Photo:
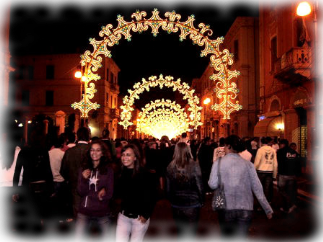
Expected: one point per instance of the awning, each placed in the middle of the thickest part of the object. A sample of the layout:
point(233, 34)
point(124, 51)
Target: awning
point(268, 127)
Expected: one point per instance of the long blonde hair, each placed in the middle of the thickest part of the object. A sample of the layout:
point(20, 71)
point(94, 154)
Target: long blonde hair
point(182, 155)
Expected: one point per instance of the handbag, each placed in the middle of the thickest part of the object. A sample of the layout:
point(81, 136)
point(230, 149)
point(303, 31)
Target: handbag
point(218, 201)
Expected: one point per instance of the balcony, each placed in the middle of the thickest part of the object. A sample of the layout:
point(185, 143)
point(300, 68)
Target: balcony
point(294, 67)
point(114, 113)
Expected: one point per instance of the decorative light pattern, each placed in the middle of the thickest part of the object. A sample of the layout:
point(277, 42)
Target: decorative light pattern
point(219, 60)
point(85, 105)
point(162, 117)
point(168, 82)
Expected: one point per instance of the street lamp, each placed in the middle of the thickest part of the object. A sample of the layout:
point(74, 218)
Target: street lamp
point(304, 9)
point(205, 102)
point(79, 75)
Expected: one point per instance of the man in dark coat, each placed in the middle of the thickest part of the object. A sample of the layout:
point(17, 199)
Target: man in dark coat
point(71, 164)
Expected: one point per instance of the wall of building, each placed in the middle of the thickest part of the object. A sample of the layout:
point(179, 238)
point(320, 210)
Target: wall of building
point(5, 56)
point(287, 77)
point(31, 76)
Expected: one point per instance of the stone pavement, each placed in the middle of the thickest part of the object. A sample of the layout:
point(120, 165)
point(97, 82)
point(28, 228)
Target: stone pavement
point(302, 224)
point(309, 187)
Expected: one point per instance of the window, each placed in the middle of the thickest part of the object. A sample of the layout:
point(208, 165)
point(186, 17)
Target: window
point(107, 100)
point(50, 72)
point(49, 98)
point(30, 72)
point(273, 52)
point(25, 97)
point(236, 50)
point(111, 77)
point(107, 75)
point(20, 72)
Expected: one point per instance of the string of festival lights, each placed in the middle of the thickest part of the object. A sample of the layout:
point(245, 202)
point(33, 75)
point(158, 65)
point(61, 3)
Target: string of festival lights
point(226, 89)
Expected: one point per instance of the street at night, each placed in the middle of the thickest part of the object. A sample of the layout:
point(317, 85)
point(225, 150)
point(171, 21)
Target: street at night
point(124, 118)
point(305, 224)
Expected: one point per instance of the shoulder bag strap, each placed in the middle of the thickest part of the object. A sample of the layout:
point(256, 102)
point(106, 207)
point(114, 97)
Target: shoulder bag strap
point(219, 174)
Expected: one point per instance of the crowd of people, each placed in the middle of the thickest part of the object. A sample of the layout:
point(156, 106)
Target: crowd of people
point(93, 182)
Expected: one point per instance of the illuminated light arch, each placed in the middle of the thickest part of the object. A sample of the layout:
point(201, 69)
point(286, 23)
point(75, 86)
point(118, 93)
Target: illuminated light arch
point(140, 87)
point(163, 122)
point(226, 90)
point(162, 117)
point(153, 105)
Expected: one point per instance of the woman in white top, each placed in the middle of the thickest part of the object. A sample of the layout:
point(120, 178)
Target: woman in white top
point(8, 158)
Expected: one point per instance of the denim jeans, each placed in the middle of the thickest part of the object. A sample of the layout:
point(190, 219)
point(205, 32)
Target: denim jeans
point(130, 229)
point(84, 223)
point(266, 180)
point(186, 219)
point(235, 222)
point(288, 189)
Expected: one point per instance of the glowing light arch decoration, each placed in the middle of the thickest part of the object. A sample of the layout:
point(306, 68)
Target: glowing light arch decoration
point(139, 88)
point(226, 90)
point(163, 122)
point(162, 117)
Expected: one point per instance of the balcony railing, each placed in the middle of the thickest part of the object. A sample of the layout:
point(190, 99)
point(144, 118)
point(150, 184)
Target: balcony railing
point(114, 113)
point(294, 65)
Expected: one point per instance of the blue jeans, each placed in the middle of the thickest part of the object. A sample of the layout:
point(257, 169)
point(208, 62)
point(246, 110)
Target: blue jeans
point(186, 219)
point(235, 222)
point(288, 189)
point(84, 223)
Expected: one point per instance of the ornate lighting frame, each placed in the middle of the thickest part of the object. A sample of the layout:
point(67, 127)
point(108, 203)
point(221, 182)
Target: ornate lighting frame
point(226, 90)
point(168, 82)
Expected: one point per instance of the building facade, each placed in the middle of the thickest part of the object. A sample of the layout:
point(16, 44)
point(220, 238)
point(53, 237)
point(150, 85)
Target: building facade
point(241, 40)
point(287, 79)
point(46, 85)
point(5, 56)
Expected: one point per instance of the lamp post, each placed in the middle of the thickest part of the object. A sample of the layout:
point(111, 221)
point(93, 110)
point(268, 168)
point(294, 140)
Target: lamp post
point(205, 102)
point(79, 75)
point(304, 9)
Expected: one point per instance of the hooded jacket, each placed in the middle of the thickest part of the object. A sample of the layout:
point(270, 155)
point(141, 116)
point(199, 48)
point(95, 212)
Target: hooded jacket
point(89, 189)
point(266, 160)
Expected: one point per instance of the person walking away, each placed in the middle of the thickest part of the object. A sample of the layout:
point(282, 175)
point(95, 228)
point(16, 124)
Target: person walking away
point(289, 167)
point(56, 155)
point(266, 166)
point(71, 163)
point(240, 182)
point(205, 157)
point(184, 189)
point(37, 179)
point(135, 190)
point(95, 186)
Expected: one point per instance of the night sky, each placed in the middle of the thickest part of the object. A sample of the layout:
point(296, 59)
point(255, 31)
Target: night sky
point(45, 29)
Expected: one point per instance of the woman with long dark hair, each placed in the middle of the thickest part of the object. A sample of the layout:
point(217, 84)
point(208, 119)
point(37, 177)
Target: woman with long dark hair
point(95, 186)
point(240, 181)
point(137, 193)
point(184, 187)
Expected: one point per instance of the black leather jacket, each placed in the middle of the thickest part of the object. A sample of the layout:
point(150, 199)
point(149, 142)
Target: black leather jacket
point(184, 187)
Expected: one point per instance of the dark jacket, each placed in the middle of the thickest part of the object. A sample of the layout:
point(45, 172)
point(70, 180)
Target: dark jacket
point(89, 189)
point(137, 192)
point(36, 165)
point(184, 188)
point(72, 162)
point(289, 162)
